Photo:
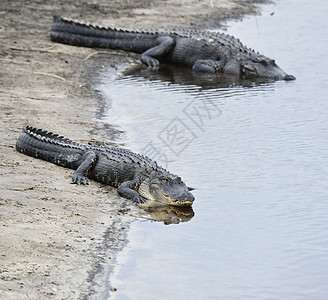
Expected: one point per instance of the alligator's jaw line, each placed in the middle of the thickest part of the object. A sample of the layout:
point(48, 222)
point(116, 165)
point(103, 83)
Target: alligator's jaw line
point(178, 202)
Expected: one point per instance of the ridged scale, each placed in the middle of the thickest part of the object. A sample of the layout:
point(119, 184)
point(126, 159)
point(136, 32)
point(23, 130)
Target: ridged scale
point(114, 154)
point(209, 37)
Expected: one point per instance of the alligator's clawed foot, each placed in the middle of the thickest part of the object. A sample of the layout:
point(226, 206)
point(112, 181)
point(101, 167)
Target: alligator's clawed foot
point(207, 66)
point(80, 179)
point(138, 199)
point(150, 61)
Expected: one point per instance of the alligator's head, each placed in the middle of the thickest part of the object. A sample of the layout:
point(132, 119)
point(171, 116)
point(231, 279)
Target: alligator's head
point(261, 67)
point(168, 189)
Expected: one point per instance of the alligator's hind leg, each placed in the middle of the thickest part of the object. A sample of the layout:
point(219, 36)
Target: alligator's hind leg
point(88, 160)
point(164, 45)
point(125, 190)
point(208, 66)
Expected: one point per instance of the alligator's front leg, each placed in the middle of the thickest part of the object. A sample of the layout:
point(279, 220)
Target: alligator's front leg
point(88, 160)
point(164, 45)
point(125, 190)
point(208, 66)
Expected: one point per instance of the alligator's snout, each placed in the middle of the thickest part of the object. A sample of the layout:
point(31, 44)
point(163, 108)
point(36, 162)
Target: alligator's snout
point(187, 198)
point(289, 77)
point(183, 200)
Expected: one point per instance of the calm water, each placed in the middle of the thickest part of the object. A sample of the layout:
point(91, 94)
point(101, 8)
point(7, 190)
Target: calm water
point(257, 156)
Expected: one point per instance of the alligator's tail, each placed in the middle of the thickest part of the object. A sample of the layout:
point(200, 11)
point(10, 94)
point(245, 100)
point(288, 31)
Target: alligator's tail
point(68, 31)
point(51, 147)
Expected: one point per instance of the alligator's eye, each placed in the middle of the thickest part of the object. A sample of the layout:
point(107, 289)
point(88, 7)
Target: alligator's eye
point(165, 180)
point(264, 62)
point(248, 70)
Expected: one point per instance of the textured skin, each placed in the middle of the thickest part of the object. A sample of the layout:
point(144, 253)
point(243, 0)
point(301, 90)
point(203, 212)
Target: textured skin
point(129, 172)
point(204, 51)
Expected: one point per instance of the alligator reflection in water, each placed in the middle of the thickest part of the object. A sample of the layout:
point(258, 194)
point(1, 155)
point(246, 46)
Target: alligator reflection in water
point(167, 214)
point(184, 76)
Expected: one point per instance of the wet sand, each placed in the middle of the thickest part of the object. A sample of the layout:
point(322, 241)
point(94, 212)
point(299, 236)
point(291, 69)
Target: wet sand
point(58, 240)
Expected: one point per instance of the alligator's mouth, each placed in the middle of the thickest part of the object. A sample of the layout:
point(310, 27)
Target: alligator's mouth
point(182, 203)
point(177, 202)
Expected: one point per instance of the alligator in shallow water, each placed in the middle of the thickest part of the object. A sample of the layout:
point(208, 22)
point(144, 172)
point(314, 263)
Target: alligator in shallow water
point(135, 176)
point(204, 51)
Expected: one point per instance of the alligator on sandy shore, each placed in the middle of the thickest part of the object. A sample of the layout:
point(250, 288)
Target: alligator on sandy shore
point(135, 176)
point(204, 51)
